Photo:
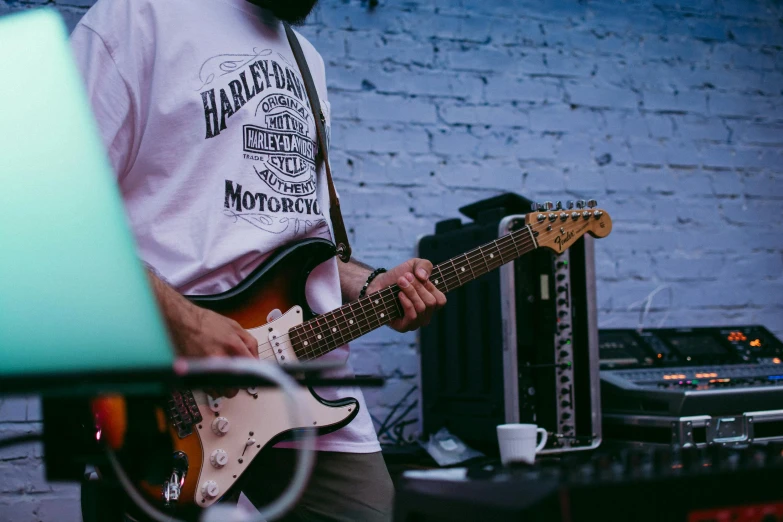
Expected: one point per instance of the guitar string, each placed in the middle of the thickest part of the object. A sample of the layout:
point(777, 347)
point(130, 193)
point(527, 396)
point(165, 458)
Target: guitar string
point(503, 246)
point(330, 344)
point(374, 321)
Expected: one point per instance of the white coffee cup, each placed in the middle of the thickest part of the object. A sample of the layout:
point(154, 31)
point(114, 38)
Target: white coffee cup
point(518, 442)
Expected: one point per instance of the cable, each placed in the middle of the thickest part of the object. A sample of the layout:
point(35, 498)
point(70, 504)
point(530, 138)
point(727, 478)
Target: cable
point(21, 439)
point(305, 455)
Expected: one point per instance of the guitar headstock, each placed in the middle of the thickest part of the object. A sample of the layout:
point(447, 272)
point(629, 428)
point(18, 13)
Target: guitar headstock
point(557, 228)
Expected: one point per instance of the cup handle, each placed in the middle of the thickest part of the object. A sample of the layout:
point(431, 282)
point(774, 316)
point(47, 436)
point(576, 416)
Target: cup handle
point(541, 444)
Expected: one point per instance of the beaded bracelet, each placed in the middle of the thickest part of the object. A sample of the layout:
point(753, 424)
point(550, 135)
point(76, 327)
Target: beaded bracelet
point(373, 275)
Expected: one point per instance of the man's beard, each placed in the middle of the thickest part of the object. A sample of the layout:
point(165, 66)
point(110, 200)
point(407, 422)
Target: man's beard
point(292, 11)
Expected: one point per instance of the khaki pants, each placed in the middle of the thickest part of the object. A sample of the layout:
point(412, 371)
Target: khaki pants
point(345, 487)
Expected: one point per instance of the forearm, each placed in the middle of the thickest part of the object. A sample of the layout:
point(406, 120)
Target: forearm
point(353, 275)
point(178, 312)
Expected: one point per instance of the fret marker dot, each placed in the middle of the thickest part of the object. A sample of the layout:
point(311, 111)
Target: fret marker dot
point(376, 301)
point(334, 329)
point(350, 321)
point(306, 343)
point(491, 256)
point(463, 268)
point(381, 314)
point(436, 281)
point(319, 336)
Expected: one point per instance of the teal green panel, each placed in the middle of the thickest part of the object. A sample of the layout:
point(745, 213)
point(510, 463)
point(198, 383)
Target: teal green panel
point(73, 293)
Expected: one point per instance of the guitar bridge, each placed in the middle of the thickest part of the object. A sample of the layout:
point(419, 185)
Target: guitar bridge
point(183, 412)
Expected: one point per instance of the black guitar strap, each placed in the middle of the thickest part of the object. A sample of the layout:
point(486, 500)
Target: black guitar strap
point(340, 236)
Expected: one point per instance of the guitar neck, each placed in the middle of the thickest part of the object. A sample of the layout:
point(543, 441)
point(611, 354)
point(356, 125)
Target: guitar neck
point(331, 330)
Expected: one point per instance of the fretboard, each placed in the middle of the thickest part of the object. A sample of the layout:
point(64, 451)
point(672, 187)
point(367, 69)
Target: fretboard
point(333, 329)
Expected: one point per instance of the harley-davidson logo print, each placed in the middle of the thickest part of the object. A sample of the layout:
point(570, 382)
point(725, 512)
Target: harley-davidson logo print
point(277, 139)
point(283, 146)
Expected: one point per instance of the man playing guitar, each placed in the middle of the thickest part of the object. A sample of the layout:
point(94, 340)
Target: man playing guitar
point(203, 112)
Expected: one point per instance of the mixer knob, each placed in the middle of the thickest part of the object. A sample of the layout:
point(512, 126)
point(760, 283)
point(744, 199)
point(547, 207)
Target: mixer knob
point(219, 458)
point(210, 489)
point(563, 353)
point(220, 426)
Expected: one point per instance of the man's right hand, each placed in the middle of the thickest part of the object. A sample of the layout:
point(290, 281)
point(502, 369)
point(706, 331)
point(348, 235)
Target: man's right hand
point(198, 332)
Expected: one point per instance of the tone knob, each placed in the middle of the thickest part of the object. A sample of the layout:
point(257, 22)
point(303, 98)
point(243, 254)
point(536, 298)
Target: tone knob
point(220, 426)
point(210, 489)
point(219, 458)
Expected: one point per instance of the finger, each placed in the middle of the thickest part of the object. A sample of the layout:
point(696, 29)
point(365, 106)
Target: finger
point(408, 285)
point(250, 341)
point(440, 297)
point(237, 347)
point(410, 312)
point(424, 294)
point(422, 268)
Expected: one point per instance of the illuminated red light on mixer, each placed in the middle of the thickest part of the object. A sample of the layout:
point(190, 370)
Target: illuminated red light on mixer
point(737, 336)
point(756, 343)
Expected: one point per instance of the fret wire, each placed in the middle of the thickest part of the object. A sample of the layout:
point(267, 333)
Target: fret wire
point(514, 241)
point(454, 268)
point(396, 301)
point(307, 338)
point(484, 258)
point(502, 250)
point(334, 330)
point(501, 245)
point(470, 265)
point(440, 277)
point(350, 322)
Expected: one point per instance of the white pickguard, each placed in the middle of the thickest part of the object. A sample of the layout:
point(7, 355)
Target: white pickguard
point(259, 414)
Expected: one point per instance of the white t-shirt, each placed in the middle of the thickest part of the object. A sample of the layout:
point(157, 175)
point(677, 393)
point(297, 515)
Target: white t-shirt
point(208, 126)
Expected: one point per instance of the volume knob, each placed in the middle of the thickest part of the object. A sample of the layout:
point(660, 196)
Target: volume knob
point(210, 489)
point(220, 426)
point(219, 458)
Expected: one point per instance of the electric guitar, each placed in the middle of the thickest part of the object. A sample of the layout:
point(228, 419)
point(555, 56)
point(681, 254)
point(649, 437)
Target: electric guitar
point(215, 440)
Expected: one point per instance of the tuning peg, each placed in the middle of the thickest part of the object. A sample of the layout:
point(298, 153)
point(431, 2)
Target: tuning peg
point(592, 203)
point(534, 206)
point(541, 207)
point(580, 203)
point(570, 204)
point(558, 206)
point(549, 205)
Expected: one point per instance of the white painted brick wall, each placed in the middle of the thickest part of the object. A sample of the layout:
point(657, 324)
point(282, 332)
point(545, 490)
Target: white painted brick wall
point(668, 112)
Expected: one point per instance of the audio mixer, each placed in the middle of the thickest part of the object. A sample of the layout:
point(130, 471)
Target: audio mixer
point(692, 385)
